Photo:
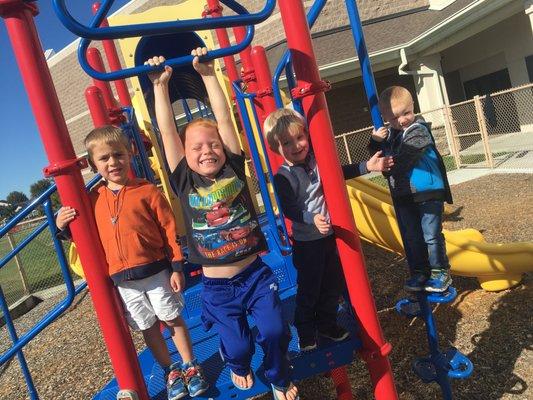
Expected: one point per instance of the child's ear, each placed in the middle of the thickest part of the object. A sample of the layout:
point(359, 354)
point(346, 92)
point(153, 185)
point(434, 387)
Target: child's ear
point(91, 165)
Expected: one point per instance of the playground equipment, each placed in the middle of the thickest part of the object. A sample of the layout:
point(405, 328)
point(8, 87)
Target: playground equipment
point(145, 380)
point(497, 266)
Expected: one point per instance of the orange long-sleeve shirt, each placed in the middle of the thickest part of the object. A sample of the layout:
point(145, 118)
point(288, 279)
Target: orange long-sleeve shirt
point(137, 230)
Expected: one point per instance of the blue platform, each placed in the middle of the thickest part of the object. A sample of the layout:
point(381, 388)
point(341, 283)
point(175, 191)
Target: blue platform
point(329, 354)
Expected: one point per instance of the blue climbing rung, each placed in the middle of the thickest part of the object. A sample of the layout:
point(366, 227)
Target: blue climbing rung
point(408, 308)
point(443, 298)
point(461, 366)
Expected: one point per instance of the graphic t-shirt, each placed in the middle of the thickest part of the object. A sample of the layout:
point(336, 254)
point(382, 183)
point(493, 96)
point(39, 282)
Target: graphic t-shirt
point(221, 222)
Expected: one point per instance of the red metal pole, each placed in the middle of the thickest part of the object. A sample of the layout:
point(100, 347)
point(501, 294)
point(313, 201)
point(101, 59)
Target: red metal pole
point(95, 101)
point(375, 349)
point(248, 72)
point(18, 16)
point(340, 379)
point(266, 96)
point(115, 112)
point(114, 64)
point(95, 60)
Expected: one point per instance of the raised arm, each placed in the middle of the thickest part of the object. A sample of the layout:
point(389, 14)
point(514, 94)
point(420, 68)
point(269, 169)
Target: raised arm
point(172, 144)
point(218, 101)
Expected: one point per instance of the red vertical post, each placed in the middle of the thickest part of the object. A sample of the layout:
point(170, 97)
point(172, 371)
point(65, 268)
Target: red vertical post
point(64, 166)
point(310, 88)
point(95, 61)
point(266, 96)
point(248, 72)
point(97, 109)
point(114, 64)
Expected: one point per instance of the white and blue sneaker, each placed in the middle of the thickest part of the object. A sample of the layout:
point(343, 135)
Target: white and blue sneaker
point(194, 378)
point(176, 388)
point(439, 281)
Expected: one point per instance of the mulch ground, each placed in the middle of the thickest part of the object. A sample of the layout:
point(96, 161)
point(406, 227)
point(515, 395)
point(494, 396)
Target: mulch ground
point(495, 330)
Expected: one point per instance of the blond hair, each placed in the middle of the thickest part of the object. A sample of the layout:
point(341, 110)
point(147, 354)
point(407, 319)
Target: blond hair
point(204, 122)
point(279, 123)
point(107, 134)
point(394, 95)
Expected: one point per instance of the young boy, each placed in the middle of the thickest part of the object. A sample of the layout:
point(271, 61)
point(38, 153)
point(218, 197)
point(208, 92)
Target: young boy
point(138, 233)
point(315, 256)
point(223, 234)
point(419, 187)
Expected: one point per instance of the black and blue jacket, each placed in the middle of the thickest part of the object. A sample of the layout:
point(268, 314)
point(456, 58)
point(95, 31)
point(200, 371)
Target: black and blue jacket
point(418, 173)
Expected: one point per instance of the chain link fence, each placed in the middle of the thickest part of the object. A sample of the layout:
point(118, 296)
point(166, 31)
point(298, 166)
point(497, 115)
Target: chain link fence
point(35, 269)
point(491, 131)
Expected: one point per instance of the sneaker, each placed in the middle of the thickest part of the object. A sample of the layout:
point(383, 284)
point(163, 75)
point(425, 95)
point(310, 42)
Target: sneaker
point(194, 378)
point(176, 388)
point(336, 333)
point(439, 281)
point(416, 282)
point(307, 343)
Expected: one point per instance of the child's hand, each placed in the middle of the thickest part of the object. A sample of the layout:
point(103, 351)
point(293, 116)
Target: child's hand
point(159, 77)
point(380, 135)
point(203, 68)
point(65, 215)
point(177, 281)
point(321, 224)
point(379, 163)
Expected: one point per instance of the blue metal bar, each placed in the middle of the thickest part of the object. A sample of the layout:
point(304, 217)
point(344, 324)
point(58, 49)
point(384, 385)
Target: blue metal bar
point(95, 32)
point(204, 112)
point(20, 355)
point(254, 151)
point(173, 62)
point(187, 110)
point(61, 307)
point(133, 128)
point(285, 62)
point(437, 358)
point(364, 62)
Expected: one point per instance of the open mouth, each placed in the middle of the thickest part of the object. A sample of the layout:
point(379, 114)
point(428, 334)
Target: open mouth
point(209, 161)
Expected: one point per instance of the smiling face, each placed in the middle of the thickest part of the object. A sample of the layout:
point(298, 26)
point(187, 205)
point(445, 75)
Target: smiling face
point(112, 161)
point(399, 114)
point(293, 145)
point(204, 150)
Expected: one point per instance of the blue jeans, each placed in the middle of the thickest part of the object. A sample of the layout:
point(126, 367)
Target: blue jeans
point(421, 229)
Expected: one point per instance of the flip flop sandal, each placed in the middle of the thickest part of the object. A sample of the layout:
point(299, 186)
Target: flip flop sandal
point(232, 376)
point(275, 390)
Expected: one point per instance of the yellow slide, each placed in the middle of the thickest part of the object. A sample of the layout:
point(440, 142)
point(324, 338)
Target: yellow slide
point(497, 266)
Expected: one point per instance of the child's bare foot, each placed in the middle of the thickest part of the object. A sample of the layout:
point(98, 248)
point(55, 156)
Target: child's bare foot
point(290, 394)
point(242, 382)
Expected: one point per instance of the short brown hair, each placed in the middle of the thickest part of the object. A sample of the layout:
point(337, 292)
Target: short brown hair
point(205, 122)
point(394, 95)
point(278, 123)
point(107, 134)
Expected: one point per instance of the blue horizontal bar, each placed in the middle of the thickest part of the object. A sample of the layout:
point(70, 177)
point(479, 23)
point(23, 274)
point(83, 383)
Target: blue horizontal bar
point(95, 32)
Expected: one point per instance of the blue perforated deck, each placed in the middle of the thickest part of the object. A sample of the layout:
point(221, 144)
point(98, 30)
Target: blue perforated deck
point(329, 355)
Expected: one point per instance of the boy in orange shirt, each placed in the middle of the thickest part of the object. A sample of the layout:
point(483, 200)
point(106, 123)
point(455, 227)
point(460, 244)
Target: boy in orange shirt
point(138, 233)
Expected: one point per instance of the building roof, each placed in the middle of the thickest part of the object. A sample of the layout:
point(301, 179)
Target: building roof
point(379, 34)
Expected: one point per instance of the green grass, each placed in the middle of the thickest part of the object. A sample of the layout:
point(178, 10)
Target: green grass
point(39, 261)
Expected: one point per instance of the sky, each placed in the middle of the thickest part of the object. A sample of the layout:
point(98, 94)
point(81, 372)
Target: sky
point(22, 155)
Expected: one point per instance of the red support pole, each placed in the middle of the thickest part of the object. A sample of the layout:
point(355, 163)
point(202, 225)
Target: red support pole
point(340, 379)
point(95, 101)
point(248, 72)
point(95, 60)
point(18, 16)
point(115, 112)
point(310, 88)
point(114, 64)
point(266, 96)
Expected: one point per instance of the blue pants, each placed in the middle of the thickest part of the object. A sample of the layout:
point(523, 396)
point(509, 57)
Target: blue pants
point(421, 229)
point(226, 304)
